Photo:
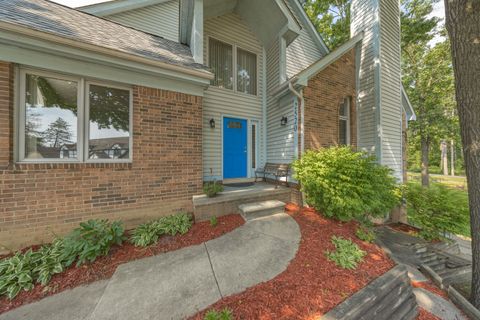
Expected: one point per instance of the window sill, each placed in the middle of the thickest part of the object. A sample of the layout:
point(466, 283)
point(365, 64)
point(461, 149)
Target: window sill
point(69, 165)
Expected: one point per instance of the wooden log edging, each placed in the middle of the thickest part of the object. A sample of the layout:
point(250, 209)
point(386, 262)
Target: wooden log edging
point(463, 303)
point(389, 297)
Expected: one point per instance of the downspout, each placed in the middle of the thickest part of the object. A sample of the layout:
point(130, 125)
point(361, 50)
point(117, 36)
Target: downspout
point(299, 95)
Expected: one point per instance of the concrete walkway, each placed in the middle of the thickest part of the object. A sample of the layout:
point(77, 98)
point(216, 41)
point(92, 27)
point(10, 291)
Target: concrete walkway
point(177, 284)
point(400, 248)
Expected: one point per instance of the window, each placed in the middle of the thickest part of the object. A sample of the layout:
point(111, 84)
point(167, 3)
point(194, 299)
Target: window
point(240, 76)
point(53, 120)
point(221, 61)
point(344, 123)
point(246, 72)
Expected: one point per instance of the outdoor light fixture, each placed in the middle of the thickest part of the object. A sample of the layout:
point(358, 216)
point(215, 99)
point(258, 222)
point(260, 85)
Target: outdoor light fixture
point(284, 121)
point(212, 123)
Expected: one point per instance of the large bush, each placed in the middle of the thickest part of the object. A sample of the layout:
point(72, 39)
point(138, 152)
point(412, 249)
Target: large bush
point(437, 210)
point(346, 185)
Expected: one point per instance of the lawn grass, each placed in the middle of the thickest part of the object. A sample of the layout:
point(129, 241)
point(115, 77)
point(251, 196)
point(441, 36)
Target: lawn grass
point(458, 183)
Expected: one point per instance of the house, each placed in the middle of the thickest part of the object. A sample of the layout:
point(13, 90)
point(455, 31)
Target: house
point(145, 100)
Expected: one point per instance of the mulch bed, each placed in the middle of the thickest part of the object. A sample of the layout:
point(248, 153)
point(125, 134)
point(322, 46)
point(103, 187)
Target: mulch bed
point(104, 267)
point(425, 315)
point(404, 228)
point(311, 285)
point(429, 286)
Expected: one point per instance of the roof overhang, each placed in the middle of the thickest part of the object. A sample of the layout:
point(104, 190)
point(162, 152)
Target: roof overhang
point(407, 106)
point(117, 6)
point(305, 75)
point(39, 49)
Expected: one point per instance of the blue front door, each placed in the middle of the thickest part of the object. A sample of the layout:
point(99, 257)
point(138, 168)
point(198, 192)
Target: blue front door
point(234, 148)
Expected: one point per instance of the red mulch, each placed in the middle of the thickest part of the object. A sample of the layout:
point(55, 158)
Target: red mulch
point(104, 267)
point(427, 285)
point(425, 315)
point(311, 285)
point(404, 228)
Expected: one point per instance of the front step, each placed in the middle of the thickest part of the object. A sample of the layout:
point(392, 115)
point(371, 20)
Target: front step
point(254, 210)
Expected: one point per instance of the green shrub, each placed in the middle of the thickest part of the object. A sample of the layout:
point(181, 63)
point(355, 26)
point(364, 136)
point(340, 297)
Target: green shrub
point(92, 239)
point(437, 210)
point(347, 254)
point(212, 188)
point(346, 185)
point(149, 233)
point(213, 221)
point(365, 234)
point(225, 314)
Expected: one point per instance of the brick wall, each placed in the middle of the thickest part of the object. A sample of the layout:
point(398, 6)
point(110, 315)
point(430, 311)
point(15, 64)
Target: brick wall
point(38, 199)
point(323, 96)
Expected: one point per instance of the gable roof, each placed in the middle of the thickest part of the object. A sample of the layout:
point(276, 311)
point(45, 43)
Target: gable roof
point(102, 9)
point(407, 106)
point(61, 21)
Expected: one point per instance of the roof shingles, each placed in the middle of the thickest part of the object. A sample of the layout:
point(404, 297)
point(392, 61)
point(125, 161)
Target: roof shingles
point(52, 18)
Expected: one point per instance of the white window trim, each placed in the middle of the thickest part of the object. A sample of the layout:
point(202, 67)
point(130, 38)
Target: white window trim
point(235, 46)
point(82, 117)
point(347, 119)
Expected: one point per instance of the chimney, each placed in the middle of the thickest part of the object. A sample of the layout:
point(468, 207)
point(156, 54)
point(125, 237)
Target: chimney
point(379, 104)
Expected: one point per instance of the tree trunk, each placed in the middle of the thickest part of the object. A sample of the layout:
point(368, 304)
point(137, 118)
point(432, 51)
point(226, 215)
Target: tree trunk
point(444, 158)
point(452, 157)
point(425, 145)
point(464, 31)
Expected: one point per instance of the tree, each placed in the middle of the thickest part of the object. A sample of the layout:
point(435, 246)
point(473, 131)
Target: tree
point(332, 20)
point(464, 30)
point(58, 133)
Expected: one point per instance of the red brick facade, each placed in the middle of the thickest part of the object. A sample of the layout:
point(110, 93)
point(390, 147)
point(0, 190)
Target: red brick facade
point(323, 96)
point(38, 199)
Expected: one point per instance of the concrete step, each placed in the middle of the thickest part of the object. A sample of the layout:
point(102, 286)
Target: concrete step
point(260, 209)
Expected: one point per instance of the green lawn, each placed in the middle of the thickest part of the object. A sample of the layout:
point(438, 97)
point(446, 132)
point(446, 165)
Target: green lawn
point(457, 183)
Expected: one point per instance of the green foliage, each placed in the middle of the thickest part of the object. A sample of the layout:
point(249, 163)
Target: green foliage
point(16, 273)
point(225, 314)
point(212, 188)
point(213, 221)
point(332, 20)
point(365, 234)
point(92, 239)
point(50, 261)
point(347, 254)
point(346, 185)
point(149, 233)
point(437, 210)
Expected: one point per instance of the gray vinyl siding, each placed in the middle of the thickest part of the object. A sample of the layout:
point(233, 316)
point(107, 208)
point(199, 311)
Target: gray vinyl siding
point(160, 19)
point(304, 50)
point(364, 14)
point(390, 82)
point(219, 102)
point(280, 139)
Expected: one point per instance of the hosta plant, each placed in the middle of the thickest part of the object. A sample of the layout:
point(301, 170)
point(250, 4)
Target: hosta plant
point(347, 254)
point(16, 273)
point(149, 233)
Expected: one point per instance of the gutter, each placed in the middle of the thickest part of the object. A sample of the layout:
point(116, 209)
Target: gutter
point(299, 95)
point(203, 74)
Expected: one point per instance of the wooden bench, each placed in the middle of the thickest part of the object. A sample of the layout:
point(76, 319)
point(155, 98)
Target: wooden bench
point(278, 170)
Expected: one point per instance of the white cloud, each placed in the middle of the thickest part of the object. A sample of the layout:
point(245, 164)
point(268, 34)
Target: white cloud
point(78, 3)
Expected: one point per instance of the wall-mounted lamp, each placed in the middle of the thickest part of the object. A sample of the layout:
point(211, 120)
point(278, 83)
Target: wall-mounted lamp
point(212, 123)
point(284, 121)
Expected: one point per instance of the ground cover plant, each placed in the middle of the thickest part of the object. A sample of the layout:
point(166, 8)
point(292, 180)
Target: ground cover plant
point(311, 285)
point(345, 185)
point(365, 234)
point(148, 233)
point(437, 210)
point(48, 278)
point(225, 314)
point(346, 254)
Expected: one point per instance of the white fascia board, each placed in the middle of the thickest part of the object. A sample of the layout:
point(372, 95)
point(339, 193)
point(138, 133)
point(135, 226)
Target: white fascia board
point(38, 53)
point(324, 62)
point(407, 106)
point(117, 6)
point(311, 28)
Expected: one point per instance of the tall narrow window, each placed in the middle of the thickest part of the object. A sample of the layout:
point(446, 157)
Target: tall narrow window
point(246, 72)
point(344, 123)
point(51, 124)
point(220, 58)
point(254, 146)
point(109, 127)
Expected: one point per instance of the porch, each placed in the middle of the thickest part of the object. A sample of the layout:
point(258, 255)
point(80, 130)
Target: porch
point(236, 194)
